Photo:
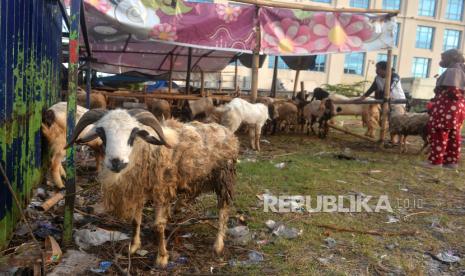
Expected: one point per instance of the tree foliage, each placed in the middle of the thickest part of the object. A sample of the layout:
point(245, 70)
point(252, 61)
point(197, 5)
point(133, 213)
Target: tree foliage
point(349, 90)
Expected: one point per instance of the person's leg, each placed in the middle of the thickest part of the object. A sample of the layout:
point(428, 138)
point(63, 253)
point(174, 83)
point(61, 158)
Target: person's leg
point(452, 153)
point(438, 139)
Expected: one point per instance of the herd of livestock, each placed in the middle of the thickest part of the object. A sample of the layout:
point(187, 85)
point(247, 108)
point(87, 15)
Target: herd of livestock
point(160, 152)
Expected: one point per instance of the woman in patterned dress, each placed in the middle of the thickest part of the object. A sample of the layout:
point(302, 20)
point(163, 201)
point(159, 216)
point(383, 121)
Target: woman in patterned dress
point(448, 111)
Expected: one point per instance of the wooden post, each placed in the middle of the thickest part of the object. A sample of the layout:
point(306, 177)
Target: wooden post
point(202, 83)
point(88, 85)
point(387, 97)
point(170, 75)
point(71, 121)
point(296, 82)
point(275, 77)
point(255, 63)
point(188, 75)
point(220, 84)
point(302, 87)
point(235, 75)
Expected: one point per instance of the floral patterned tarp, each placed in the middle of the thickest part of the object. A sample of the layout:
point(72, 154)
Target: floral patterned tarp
point(141, 34)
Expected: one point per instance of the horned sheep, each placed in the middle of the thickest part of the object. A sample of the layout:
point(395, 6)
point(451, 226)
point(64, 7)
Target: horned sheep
point(146, 160)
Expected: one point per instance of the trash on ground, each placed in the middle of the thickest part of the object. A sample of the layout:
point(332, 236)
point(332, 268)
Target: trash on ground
point(74, 262)
point(85, 238)
point(49, 203)
point(103, 267)
point(392, 219)
point(375, 171)
point(240, 234)
point(271, 224)
point(142, 252)
point(404, 189)
point(281, 165)
point(179, 261)
point(287, 232)
point(448, 257)
point(330, 242)
point(265, 141)
point(254, 257)
point(45, 229)
point(52, 250)
point(341, 181)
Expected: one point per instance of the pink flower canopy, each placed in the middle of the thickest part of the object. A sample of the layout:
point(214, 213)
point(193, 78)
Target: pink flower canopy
point(146, 35)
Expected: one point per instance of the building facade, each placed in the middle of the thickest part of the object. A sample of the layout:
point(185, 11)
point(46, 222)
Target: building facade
point(425, 29)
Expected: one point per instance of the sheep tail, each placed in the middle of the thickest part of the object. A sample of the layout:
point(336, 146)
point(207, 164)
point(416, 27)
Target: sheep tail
point(225, 178)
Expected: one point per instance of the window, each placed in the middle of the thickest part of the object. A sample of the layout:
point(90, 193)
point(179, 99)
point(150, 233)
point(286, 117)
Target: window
point(396, 35)
point(281, 63)
point(424, 37)
point(454, 10)
point(320, 63)
point(451, 39)
point(427, 8)
point(354, 63)
point(322, 1)
point(420, 68)
point(391, 4)
point(365, 4)
point(383, 57)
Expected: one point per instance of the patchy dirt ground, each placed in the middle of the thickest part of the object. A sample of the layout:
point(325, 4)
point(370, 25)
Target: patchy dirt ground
point(428, 215)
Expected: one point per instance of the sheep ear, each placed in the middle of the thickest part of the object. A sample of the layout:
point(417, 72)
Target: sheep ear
point(146, 118)
point(149, 138)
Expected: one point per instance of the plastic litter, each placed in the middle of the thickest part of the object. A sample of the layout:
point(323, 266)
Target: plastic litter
point(240, 234)
point(45, 229)
point(330, 242)
point(448, 257)
point(265, 141)
point(142, 252)
point(74, 263)
point(179, 261)
point(85, 238)
point(254, 257)
point(52, 250)
point(392, 219)
point(271, 224)
point(281, 165)
point(103, 267)
point(287, 232)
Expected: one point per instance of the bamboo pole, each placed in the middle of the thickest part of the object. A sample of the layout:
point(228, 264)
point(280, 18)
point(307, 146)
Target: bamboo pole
point(387, 97)
point(170, 75)
point(202, 83)
point(71, 121)
point(188, 75)
point(88, 85)
point(296, 82)
point(307, 7)
point(275, 77)
point(302, 87)
point(235, 75)
point(352, 133)
point(255, 63)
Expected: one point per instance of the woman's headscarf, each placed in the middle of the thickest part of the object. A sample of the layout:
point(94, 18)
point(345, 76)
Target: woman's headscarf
point(454, 75)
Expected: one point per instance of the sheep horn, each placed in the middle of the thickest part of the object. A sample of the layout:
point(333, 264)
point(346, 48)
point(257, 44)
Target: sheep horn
point(88, 118)
point(146, 118)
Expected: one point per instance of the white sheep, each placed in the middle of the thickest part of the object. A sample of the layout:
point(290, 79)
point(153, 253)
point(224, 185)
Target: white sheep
point(238, 112)
point(148, 161)
point(54, 130)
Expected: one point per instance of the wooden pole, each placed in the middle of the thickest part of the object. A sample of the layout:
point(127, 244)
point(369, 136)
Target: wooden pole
point(302, 87)
point(73, 67)
point(352, 133)
point(202, 83)
point(387, 97)
point(296, 82)
point(306, 7)
point(235, 75)
point(275, 77)
point(88, 85)
point(255, 62)
point(188, 75)
point(220, 83)
point(170, 75)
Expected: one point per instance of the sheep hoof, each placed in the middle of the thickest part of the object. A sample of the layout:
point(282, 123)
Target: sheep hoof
point(218, 247)
point(162, 261)
point(134, 247)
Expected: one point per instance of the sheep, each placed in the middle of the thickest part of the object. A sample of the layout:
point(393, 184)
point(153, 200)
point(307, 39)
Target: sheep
point(321, 112)
point(196, 109)
point(146, 160)
point(97, 99)
point(54, 130)
point(405, 124)
point(287, 113)
point(160, 108)
point(238, 112)
point(118, 101)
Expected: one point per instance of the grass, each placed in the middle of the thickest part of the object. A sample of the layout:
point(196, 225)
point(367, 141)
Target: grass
point(312, 169)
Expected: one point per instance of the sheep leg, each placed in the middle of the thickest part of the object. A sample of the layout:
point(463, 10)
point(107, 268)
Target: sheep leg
point(62, 171)
point(160, 225)
point(223, 217)
point(258, 131)
point(56, 170)
point(252, 137)
point(135, 244)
